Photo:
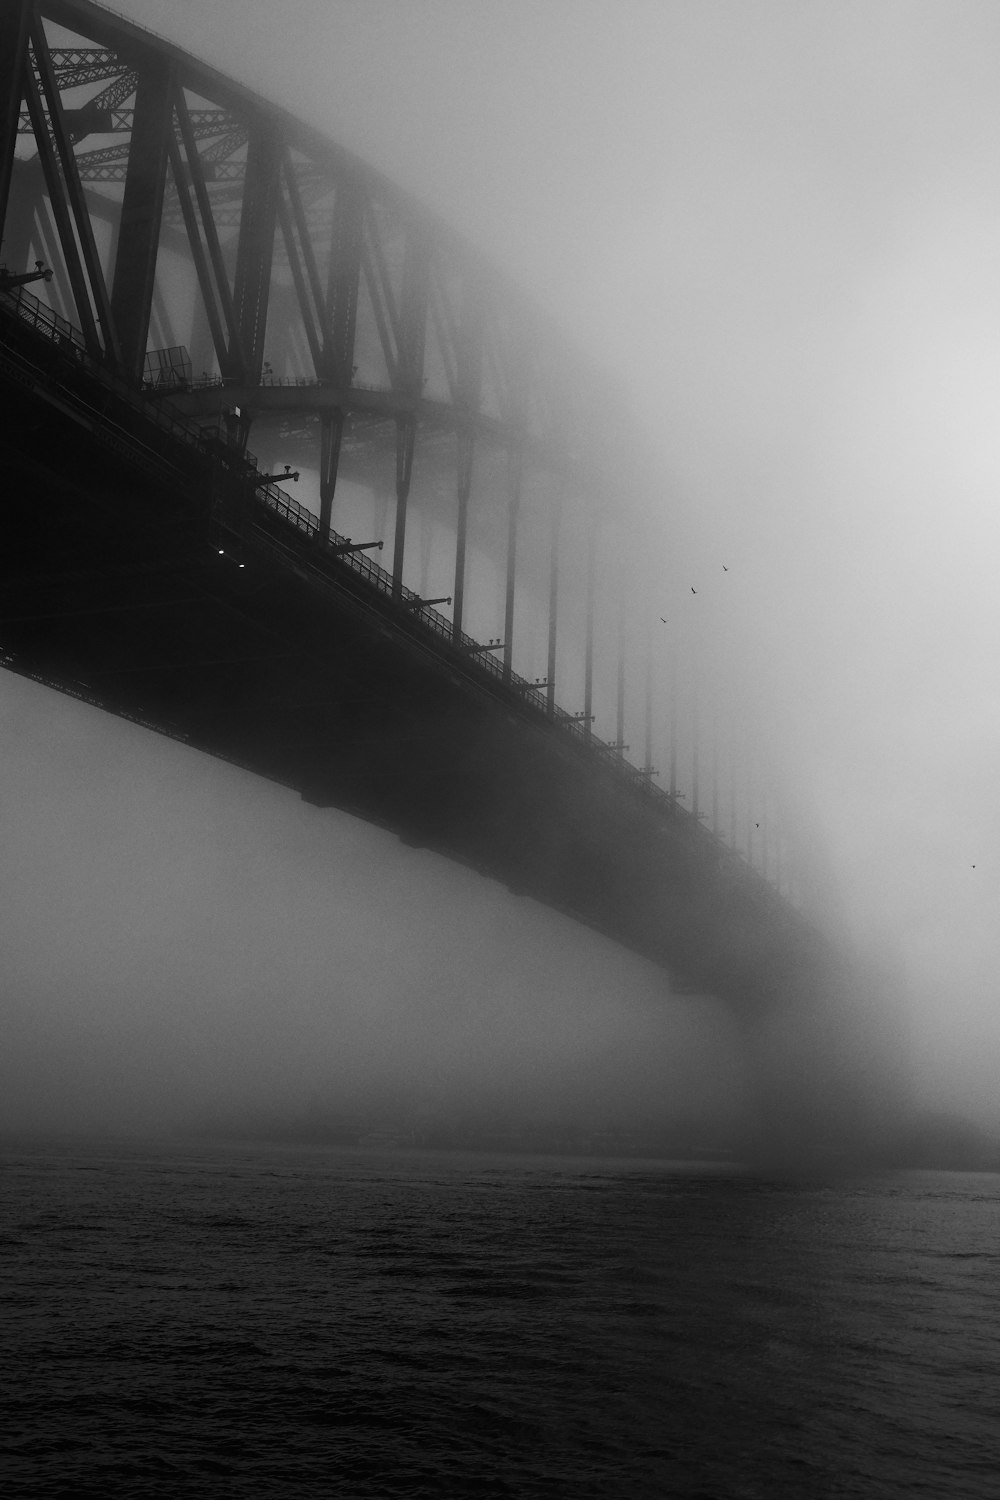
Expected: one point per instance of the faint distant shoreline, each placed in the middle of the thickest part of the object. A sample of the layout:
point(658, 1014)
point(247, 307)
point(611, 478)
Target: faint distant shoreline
point(930, 1142)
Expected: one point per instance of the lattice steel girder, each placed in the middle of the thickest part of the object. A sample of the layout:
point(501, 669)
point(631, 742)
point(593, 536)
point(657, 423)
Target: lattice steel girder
point(109, 119)
point(217, 154)
point(100, 113)
point(108, 165)
point(79, 65)
point(86, 120)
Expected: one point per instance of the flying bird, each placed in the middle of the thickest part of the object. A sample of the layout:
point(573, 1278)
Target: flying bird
point(662, 620)
point(693, 589)
point(724, 568)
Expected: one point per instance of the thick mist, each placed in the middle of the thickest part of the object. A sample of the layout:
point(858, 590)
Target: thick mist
point(188, 946)
point(776, 228)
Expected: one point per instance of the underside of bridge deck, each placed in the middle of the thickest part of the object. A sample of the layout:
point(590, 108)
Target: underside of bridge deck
point(141, 572)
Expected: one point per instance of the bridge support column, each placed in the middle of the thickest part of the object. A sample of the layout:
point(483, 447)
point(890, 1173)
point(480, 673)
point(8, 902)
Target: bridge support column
point(213, 278)
point(649, 709)
point(514, 469)
point(342, 281)
point(466, 453)
point(553, 600)
point(695, 730)
point(764, 849)
point(750, 807)
point(142, 211)
point(715, 775)
point(14, 19)
point(732, 792)
point(406, 428)
point(331, 433)
point(23, 228)
point(620, 717)
point(673, 721)
point(588, 655)
point(254, 254)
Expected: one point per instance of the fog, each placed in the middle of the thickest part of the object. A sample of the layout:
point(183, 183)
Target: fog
point(192, 946)
point(775, 227)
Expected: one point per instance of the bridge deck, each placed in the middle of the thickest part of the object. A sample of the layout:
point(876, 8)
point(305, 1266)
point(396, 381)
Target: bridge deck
point(152, 573)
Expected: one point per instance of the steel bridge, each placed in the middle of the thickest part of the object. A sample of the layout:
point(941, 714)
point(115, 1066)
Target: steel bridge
point(190, 274)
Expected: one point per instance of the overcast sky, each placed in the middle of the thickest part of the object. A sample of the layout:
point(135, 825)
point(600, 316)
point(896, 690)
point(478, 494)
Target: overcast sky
point(777, 224)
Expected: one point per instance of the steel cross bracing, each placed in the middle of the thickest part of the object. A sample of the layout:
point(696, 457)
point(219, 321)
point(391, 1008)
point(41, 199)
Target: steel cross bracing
point(190, 225)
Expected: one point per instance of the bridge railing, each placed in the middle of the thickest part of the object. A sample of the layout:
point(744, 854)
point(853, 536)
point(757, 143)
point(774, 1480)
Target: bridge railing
point(305, 521)
point(38, 315)
point(69, 340)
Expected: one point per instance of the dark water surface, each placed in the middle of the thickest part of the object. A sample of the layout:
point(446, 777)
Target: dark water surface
point(275, 1322)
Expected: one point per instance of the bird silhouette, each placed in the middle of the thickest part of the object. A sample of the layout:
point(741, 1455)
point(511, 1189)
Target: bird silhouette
point(724, 568)
point(662, 620)
point(693, 589)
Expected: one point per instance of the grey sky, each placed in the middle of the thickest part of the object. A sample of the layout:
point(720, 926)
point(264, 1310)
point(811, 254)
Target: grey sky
point(777, 225)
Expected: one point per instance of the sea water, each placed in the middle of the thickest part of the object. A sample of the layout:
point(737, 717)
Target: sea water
point(243, 1321)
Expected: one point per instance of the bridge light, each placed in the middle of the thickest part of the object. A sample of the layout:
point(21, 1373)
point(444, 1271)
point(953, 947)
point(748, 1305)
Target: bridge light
point(347, 545)
point(40, 273)
point(474, 648)
point(417, 603)
point(267, 478)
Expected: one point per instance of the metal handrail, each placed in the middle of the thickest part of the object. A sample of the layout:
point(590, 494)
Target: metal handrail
point(304, 520)
point(284, 382)
point(40, 317)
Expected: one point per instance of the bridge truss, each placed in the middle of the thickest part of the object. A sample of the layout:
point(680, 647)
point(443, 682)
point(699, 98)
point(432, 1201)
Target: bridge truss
point(192, 227)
